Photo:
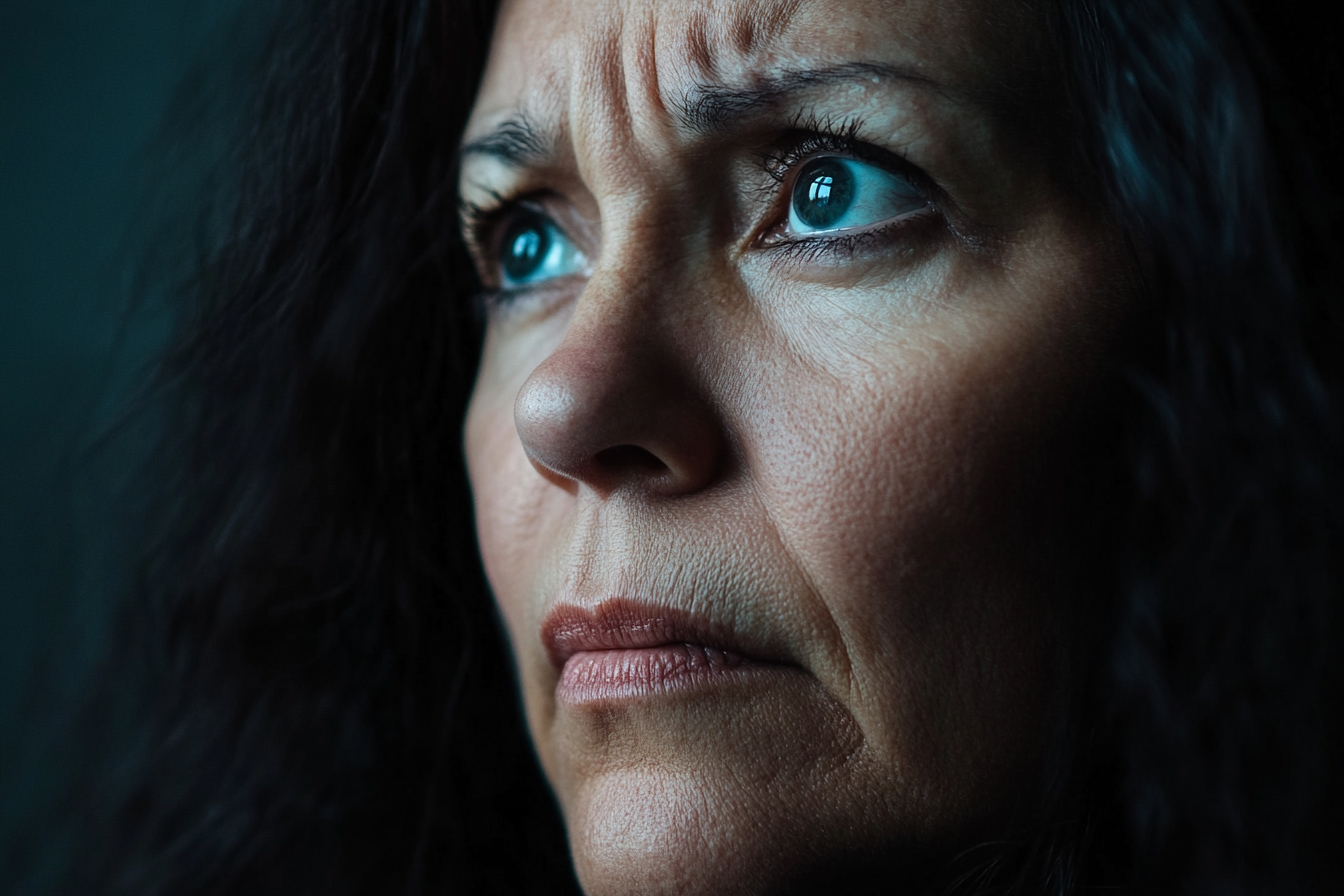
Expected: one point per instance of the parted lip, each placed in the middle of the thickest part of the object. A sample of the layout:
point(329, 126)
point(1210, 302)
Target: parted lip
point(624, 624)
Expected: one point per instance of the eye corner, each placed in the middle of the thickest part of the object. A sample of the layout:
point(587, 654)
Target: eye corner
point(521, 245)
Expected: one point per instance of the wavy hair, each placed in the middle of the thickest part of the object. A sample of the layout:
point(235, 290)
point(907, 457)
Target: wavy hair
point(329, 702)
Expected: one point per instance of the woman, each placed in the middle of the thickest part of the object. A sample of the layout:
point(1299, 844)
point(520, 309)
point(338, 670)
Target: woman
point(901, 450)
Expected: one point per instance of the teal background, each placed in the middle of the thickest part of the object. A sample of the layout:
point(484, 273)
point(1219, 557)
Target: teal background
point(84, 90)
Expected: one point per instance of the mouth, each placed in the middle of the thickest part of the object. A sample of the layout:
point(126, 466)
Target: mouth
point(622, 649)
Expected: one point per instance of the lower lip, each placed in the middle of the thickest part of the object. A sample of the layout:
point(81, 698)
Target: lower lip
point(593, 675)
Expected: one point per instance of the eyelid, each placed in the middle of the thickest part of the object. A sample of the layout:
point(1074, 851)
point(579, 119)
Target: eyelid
point(482, 223)
point(484, 230)
point(813, 139)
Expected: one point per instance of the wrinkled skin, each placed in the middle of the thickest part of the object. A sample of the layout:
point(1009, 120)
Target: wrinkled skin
point(856, 456)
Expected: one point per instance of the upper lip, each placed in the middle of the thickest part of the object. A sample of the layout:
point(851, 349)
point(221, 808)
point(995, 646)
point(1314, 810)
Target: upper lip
point(624, 624)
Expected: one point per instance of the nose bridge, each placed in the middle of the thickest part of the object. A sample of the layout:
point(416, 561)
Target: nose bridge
point(637, 282)
point(618, 402)
point(615, 333)
point(645, 260)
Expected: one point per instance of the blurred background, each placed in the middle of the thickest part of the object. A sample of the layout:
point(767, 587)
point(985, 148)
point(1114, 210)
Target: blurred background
point(85, 88)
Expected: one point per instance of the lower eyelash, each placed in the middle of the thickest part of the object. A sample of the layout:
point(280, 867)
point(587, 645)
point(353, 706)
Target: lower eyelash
point(847, 245)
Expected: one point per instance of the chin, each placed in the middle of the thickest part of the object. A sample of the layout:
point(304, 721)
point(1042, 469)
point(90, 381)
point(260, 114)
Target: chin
point(721, 787)
point(645, 832)
point(760, 786)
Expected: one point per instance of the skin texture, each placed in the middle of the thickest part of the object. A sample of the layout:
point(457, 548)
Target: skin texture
point(855, 457)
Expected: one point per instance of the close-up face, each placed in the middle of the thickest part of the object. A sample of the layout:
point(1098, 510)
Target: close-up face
point(796, 315)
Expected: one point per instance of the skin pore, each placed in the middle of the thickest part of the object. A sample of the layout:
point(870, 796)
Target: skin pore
point(835, 442)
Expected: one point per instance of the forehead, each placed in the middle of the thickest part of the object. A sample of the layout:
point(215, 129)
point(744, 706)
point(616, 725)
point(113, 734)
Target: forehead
point(552, 58)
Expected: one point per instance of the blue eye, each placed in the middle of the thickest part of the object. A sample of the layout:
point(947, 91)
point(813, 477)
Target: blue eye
point(835, 193)
point(533, 249)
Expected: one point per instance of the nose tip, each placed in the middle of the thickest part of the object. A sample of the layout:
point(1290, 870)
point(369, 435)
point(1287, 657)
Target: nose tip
point(614, 421)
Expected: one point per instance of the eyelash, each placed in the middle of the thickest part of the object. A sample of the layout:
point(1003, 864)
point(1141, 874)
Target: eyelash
point(480, 226)
point(478, 221)
point(808, 136)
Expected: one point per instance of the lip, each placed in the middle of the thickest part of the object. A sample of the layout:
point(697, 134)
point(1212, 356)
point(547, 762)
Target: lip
point(625, 649)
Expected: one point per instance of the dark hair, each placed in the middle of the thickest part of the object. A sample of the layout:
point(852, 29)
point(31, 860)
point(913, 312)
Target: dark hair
point(331, 706)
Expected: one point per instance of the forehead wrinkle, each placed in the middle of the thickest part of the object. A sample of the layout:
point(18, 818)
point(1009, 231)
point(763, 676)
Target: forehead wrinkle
point(698, 52)
point(600, 116)
point(643, 69)
point(754, 27)
point(632, 106)
point(743, 32)
point(700, 46)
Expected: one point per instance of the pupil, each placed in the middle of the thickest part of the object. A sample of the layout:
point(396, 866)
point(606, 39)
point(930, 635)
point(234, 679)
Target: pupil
point(823, 193)
point(525, 246)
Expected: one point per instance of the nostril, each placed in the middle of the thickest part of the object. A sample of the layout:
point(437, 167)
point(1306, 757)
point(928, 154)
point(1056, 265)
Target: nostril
point(587, 414)
point(628, 459)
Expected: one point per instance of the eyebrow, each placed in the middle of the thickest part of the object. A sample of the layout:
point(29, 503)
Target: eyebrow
point(516, 141)
point(704, 109)
point(710, 108)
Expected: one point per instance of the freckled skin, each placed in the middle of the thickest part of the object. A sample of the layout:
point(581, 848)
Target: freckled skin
point(861, 461)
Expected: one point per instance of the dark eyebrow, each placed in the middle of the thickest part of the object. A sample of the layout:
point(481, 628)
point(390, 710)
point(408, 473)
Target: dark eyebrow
point(516, 141)
point(709, 108)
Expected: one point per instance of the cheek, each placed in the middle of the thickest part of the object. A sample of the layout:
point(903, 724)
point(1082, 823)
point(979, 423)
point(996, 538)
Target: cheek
point(509, 497)
point(903, 455)
point(516, 510)
point(917, 483)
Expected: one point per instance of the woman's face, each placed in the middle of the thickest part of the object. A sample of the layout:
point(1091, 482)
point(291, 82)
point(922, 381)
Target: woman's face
point(794, 317)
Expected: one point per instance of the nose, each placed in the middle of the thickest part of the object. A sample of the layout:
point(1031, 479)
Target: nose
point(616, 407)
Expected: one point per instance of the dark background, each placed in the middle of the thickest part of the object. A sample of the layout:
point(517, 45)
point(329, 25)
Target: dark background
point(85, 86)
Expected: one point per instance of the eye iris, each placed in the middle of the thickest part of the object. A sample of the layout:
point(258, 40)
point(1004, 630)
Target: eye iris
point(525, 246)
point(823, 193)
